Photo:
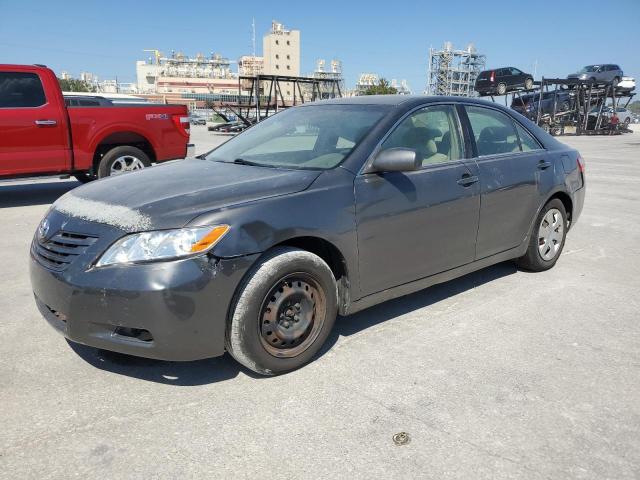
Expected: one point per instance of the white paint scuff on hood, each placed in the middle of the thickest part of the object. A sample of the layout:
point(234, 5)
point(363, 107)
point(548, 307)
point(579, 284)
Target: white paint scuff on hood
point(119, 216)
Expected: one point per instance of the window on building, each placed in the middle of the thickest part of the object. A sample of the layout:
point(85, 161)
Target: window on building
point(277, 56)
point(288, 57)
point(288, 67)
point(277, 42)
point(277, 67)
point(288, 42)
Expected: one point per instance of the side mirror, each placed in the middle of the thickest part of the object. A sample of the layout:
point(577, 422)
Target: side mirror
point(396, 160)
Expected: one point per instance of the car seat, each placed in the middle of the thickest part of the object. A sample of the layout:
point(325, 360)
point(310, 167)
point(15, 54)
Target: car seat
point(495, 140)
point(422, 140)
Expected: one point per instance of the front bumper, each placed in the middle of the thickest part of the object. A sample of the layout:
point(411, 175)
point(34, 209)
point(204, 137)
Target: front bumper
point(174, 310)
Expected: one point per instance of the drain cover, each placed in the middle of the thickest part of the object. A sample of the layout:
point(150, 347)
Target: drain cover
point(401, 438)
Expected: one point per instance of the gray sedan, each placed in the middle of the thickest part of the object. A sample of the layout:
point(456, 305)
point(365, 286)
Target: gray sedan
point(322, 209)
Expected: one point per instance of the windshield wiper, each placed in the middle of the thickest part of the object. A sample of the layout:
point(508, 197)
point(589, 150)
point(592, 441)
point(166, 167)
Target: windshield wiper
point(242, 161)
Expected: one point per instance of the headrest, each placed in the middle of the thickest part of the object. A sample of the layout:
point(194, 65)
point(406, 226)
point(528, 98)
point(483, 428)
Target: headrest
point(495, 134)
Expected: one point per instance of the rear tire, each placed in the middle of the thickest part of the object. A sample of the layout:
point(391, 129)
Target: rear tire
point(502, 89)
point(528, 84)
point(283, 312)
point(121, 160)
point(547, 238)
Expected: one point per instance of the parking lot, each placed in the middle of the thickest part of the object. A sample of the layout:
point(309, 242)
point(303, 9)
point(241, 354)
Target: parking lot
point(499, 374)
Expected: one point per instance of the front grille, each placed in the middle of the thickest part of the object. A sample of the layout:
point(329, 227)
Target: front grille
point(61, 249)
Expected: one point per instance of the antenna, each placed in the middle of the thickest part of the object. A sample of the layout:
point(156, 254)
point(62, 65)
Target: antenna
point(253, 35)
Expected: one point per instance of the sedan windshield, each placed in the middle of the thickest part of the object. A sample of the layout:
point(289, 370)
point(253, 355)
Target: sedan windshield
point(309, 137)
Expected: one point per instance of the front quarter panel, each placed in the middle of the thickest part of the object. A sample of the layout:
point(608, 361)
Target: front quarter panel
point(325, 210)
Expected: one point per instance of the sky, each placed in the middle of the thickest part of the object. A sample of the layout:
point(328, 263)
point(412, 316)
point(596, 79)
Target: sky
point(388, 38)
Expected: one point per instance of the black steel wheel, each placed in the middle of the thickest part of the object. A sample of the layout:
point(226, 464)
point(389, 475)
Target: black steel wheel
point(292, 315)
point(283, 311)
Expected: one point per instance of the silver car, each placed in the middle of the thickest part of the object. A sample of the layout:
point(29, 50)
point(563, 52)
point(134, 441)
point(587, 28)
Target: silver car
point(603, 73)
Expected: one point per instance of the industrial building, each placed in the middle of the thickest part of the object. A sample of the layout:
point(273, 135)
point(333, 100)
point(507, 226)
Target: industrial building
point(454, 72)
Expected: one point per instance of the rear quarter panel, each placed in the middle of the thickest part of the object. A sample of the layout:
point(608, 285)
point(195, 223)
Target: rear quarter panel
point(91, 125)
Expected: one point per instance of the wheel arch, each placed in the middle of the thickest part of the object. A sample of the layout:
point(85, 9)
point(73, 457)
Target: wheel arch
point(332, 255)
point(119, 139)
point(566, 201)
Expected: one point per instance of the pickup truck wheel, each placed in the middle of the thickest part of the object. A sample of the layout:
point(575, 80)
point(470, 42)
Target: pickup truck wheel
point(284, 311)
point(547, 239)
point(123, 159)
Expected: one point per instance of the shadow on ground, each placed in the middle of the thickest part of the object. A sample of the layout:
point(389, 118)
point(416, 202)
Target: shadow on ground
point(223, 368)
point(25, 194)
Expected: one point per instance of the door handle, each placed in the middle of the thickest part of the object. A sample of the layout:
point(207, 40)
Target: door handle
point(46, 123)
point(543, 164)
point(467, 180)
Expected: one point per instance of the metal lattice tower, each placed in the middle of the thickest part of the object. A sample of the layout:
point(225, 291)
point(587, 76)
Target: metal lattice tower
point(454, 72)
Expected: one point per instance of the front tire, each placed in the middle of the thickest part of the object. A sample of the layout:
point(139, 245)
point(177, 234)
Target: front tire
point(528, 84)
point(122, 159)
point(283, 313)
point(547, 239)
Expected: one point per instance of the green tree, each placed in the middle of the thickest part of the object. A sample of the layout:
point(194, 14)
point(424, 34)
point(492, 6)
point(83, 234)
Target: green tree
point(383, 87)
point(635, 107)
point(75, 85)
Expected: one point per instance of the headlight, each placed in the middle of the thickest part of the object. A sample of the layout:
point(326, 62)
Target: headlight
point(162, 245)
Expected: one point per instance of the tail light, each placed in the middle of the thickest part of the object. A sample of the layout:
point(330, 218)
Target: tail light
point(182, 124)
point(493, 76)
point(580, 161)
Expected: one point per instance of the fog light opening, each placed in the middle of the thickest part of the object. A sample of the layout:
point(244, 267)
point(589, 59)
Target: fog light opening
point(137, 333)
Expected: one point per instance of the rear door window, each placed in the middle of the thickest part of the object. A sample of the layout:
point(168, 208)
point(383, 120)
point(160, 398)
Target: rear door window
point(21, 90)
point(527, 142)
point(493, 131)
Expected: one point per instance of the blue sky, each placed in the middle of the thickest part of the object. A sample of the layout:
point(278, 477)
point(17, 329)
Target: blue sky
point(390, 38)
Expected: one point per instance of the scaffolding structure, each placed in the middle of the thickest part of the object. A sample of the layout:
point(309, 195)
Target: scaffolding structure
point(454, 72)
point(264, 95)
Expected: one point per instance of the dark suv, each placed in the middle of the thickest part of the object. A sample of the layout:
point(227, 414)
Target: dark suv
point(322, 209)
point(528, 104)
point(502, 80)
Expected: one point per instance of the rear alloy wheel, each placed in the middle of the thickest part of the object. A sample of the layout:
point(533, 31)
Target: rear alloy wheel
point(502, 89)
point(121, 160)
point(528, 84)
point(547, 239)
point(283, 313)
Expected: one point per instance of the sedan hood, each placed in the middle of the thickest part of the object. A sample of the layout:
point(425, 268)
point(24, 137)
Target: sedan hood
point(170, 195)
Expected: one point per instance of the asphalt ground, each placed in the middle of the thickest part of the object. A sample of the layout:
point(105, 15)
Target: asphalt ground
point(499, 374)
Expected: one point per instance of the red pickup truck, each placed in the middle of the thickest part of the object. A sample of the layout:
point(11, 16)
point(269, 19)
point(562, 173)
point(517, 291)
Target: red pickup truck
point(40, 135)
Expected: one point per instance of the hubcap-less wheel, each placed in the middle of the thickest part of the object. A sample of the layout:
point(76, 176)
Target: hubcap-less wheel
point(292, 315)
point(550, 234)
point(126, 163)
